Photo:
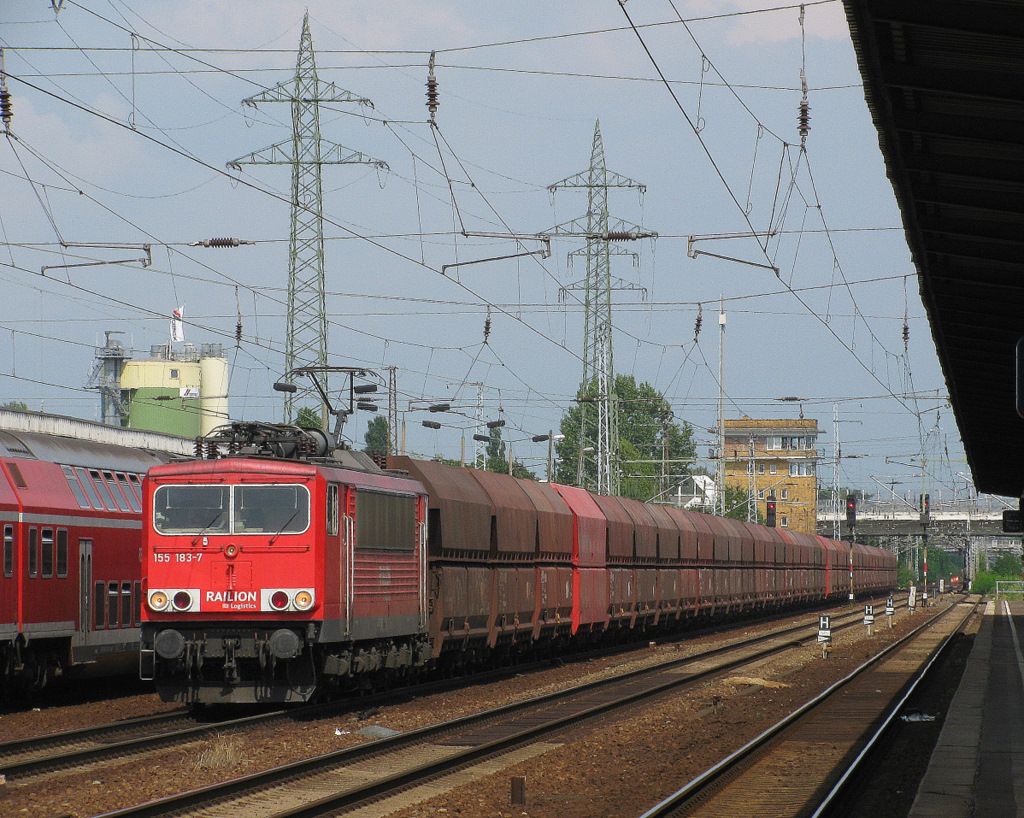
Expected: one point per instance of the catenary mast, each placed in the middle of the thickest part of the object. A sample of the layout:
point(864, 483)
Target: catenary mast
point(306, 151)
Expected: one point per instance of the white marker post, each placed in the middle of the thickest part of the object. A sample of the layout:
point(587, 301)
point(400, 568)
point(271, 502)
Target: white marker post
point(890, 609)
point(869, 617)
point(825, 634)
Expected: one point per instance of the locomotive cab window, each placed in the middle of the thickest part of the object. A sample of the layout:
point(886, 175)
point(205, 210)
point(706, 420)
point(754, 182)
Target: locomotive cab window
point(192, 509)
point(271, 509)
point(385, 522)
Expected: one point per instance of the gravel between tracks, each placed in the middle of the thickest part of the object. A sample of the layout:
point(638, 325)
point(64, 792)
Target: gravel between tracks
point(620, 768)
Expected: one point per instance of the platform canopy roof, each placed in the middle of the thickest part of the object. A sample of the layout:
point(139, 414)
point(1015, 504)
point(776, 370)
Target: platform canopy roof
point(944, 80)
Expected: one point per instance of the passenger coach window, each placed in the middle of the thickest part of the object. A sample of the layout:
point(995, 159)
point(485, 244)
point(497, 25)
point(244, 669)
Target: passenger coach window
point(75, 486)
point(8, 550)
point(62, 552)
point(97, 480)
point(112, 605)
point(99, 605)
point(33, 552)
point(126, 603)
point(111, 483)
point(47, 552)
point(385, 522)
point(90, 489)
point(133, 501)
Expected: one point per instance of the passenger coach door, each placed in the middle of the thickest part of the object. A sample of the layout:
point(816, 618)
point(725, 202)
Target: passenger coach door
point(84, 590)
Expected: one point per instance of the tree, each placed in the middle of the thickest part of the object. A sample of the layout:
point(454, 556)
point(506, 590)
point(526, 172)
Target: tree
point(16, 405)
point(308, 418)
point(655, 451)
point(377, 439)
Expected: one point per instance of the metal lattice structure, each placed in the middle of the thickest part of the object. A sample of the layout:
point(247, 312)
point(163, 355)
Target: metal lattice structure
point(306, 151)
point(598, 466)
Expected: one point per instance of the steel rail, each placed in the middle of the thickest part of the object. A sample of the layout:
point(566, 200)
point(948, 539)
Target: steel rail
point(195, 799)
point(675, 800)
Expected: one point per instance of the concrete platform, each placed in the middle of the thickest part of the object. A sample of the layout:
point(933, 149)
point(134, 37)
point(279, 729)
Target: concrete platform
point(977, 767)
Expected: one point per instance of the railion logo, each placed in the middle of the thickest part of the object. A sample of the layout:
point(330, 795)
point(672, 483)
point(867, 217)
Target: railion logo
point(231, 596)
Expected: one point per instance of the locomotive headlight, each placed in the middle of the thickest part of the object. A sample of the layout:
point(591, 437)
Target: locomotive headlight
point(182, 600)
point(158, 600)
point(304, 600)
point(279, 600)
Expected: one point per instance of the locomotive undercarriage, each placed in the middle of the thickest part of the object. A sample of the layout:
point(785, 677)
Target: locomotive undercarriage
point(268, 662)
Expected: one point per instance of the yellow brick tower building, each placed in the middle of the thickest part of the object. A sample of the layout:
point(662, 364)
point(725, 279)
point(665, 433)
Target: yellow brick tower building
point(776, 460)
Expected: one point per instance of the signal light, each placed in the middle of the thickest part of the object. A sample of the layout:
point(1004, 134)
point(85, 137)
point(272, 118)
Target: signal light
point(925, 507)
point(431, 424)
point(158, 600)
point(770, 513)
point(851, 510)
point(304, 600)
point(279, 600)
point(182, 600)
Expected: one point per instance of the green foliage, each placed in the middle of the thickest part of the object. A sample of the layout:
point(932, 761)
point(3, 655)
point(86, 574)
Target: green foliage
point(498, 462)
point(16, 405)
point(648, 435)
point(308, 418)
point(377, 439)
point(1007, 566)
point(736, 505)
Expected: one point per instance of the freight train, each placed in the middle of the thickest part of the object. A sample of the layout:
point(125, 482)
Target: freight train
point(71, 584)
point(280, 569)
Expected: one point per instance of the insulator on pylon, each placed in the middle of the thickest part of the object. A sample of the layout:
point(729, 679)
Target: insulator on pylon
point(432, 95)
point(618, 235)
point(199, 448)
point(211, 450)
point(487, 326)
point(804, 118)
point(6, 110)
point(906, 334)
point(238, 334)
point(696, 326)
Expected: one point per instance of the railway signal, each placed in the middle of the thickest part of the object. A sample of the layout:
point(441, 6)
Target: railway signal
point(770, 513)
point(851, 510)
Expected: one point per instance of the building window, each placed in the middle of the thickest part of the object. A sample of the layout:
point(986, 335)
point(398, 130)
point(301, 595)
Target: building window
point(785, 494)
point(773, 442)
point(771, 494)
point(784, 522)
point(760, 494)
point(773, 468)
point(174, 374)
point(801, 468)
point(760, 468)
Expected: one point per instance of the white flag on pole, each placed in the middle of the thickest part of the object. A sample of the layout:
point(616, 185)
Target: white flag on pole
point(177, 325)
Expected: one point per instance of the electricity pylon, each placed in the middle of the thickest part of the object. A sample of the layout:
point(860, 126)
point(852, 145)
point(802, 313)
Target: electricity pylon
point(306, 152)
point(598, 464)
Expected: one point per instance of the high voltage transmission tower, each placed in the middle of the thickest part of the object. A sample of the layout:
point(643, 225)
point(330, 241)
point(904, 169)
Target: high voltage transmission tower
point(306, 152)
point(598, 466)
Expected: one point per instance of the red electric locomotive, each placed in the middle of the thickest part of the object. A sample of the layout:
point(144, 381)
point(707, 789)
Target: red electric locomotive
point(279, 573)
point(71, 580)
point(285, 570)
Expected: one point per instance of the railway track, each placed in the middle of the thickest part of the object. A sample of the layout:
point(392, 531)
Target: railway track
point(109, 742)
point(343, 779)
point(799, 766)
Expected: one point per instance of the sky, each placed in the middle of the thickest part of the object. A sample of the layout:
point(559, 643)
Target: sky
point(125, 115)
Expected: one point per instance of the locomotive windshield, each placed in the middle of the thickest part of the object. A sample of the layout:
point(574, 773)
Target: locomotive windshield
point(251, 509)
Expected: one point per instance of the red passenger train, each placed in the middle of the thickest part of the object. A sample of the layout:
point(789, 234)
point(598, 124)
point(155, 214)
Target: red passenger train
point(279, 574)
point(71, 583)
